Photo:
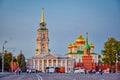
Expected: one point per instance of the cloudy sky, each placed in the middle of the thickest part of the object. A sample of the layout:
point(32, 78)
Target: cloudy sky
point(66, 19)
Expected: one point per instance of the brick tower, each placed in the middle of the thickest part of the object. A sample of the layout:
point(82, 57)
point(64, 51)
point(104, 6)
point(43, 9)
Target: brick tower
point(87, 58)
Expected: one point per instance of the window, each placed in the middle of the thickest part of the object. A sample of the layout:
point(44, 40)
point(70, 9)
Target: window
point(43, 36)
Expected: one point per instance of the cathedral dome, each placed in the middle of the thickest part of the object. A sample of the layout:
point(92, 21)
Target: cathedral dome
point(80, 40)
point(70, 46)
point(91, 45)
point(74, 45)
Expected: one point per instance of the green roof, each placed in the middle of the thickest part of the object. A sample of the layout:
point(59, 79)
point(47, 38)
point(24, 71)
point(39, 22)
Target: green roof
point(82, 52)
point(42, 29)
point(87, 46)
point(94, 53)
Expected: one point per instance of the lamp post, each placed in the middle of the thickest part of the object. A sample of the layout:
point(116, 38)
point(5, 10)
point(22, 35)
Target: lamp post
point(3, 56)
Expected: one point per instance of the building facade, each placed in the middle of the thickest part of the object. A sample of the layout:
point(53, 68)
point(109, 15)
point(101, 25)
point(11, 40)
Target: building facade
point(43, 58)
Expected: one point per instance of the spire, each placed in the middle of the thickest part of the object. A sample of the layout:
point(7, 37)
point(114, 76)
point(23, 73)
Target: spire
point(87, 46)
point(87, 37)
point(42, 18)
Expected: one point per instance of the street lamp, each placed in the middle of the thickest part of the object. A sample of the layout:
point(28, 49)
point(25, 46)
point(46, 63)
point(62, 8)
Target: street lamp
point(3, 56)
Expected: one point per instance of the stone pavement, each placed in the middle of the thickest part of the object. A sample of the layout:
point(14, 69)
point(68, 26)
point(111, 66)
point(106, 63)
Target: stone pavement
point(22, 76)
point(58, 76)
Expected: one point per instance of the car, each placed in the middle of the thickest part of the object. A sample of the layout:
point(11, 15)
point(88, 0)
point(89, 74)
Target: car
point(57, 69)
point(50, 69)
point(92, 72)
point(107, 71)
point(33, 70)
point(79, 70)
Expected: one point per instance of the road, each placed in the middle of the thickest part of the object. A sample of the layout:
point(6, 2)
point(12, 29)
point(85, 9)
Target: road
point(61, 76)
point(72, 76)
point(23, 76)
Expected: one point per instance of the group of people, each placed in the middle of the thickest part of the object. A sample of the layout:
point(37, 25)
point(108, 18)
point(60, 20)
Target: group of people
point(18, 71)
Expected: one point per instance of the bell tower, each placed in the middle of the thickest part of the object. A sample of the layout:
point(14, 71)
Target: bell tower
point(42, 41)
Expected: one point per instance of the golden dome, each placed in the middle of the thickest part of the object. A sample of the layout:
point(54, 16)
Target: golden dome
point(80, 40)
point(70, 46)
point(74, 45)
point(91, 45)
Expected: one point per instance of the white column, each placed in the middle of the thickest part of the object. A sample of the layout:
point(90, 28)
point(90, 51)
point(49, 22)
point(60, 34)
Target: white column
point(38, 64)
point(34, 63)
point(47, 62)
point(66, 65)
point(56, 62)
point(52, 62)
point(61, 63)
point(43, 65)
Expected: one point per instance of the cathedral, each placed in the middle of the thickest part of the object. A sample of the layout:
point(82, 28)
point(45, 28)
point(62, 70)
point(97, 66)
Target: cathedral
point(43, 58)
point(82, 53)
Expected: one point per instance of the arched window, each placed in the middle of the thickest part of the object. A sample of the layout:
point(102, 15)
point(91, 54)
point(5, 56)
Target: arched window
point(43, 36)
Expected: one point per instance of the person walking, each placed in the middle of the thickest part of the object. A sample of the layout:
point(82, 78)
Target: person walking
point(101, 71)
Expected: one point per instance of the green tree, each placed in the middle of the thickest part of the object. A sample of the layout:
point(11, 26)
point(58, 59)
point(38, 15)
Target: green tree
point(111, 48)
point(21, 61)
point(14, 59)
point(7, 60)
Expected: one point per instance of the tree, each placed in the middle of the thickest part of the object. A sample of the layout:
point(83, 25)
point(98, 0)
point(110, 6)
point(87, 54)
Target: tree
point(111, 48)
point(21, 62)
point(7, 60)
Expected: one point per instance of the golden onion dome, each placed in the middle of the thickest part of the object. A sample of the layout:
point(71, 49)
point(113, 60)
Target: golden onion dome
point(74, 45)
point(80, 40)
point(91, 45)
point(70, 46)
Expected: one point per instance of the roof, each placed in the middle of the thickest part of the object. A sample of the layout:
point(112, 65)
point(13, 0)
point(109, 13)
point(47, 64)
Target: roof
point(81, 52)
point(87, 46)
point(44, 28)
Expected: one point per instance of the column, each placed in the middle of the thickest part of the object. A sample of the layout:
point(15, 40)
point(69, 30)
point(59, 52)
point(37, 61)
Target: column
point(66, 65)
point(52, 62)
point(38, 64)
point(56, 62)
point(43, 65)
point(47, 62)
point(33, 63)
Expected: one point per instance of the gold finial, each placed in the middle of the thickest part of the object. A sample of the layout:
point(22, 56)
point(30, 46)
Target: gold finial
point(42, 19)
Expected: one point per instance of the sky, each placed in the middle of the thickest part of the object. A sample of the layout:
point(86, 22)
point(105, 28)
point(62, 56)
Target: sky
point(66, 20)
